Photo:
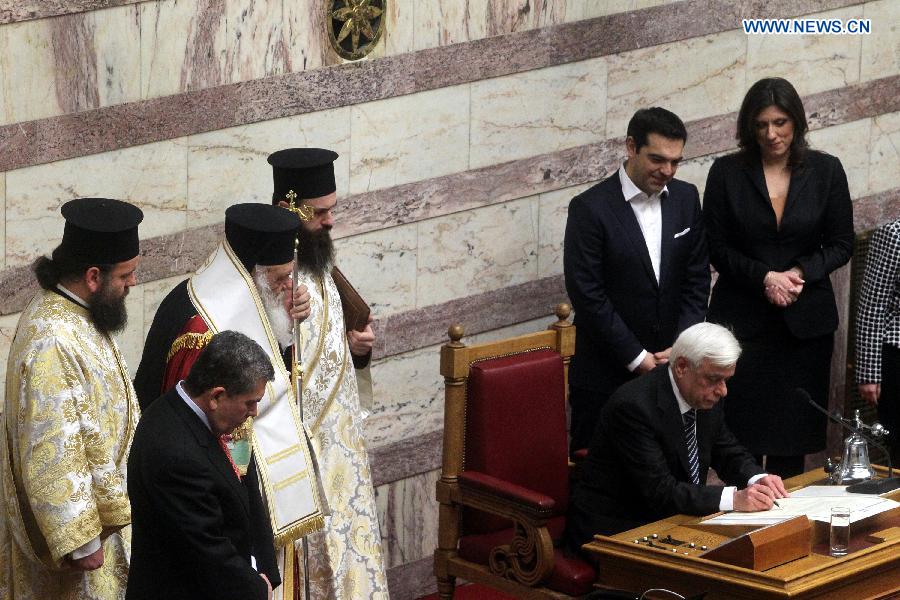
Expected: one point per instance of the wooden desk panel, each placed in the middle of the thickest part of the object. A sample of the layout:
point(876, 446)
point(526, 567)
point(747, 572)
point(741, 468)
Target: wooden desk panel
point(871, 571)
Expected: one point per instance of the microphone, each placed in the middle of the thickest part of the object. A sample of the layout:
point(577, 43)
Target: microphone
point(875, 486)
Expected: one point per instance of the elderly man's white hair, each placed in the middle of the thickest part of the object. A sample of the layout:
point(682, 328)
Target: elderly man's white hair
point(706, 340)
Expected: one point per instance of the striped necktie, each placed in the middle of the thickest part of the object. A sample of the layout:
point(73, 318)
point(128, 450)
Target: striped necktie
point(690, 440)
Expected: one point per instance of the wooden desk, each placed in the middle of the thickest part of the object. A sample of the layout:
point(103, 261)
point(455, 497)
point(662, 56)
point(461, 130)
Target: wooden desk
point(870, 570)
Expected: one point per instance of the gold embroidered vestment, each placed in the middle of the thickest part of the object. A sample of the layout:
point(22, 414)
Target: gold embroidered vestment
point(67, 424)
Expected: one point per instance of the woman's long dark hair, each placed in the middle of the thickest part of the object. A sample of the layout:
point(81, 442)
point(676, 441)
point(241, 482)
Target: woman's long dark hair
point(777, 92)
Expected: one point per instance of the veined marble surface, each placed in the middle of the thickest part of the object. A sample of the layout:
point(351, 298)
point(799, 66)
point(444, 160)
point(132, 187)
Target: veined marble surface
point(670, 76)
point(477, 251)
point(131, 339)
point(154, 177)
point(229, 166)
point(884, 159)
point(3, 218)
point(881, 53)
point(537, 111)
point(409, 138)
point(553, 214)
point(182, 46)
point(408, 516)
point(68, 64)
point(812, 63)
point(850, 142)
point(383, 263)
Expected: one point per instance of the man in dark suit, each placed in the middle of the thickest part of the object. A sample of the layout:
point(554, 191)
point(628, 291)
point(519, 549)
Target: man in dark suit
point(199, 530)
point(636, 267)
point(656, 440)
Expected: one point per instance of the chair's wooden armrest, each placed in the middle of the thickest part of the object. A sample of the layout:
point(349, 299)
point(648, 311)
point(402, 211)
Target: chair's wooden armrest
point(508, 496)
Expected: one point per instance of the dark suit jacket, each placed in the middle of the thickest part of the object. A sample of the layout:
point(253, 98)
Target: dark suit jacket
point(620, 308)
point(194, 524)
point(816, 233)
point(637, 467)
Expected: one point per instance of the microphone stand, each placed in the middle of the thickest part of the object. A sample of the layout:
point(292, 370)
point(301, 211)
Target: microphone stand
point(876, 486)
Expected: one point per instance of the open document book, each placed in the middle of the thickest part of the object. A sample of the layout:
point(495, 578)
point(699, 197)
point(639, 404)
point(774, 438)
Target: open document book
point(814, 502)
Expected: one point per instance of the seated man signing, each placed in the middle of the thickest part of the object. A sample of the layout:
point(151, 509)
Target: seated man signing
point(658, 436)
point(197, 531)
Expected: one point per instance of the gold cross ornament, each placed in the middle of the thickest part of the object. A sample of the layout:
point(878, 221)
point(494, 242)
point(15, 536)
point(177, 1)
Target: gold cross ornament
point(304, 211)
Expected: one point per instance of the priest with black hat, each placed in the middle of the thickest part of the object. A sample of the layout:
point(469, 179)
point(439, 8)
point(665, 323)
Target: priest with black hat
point(69, 416)
point(345, 560)
point(246, 286)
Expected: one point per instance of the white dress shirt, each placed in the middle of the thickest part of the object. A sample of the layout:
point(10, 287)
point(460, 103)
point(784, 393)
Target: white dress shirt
point(648, 211)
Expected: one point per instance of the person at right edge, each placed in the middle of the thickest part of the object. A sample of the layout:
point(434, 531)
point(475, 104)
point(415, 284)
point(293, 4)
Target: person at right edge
point(878, 331)
point(779, 221)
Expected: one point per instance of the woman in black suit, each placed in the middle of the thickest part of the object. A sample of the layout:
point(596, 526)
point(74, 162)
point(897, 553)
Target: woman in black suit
point(779, 221)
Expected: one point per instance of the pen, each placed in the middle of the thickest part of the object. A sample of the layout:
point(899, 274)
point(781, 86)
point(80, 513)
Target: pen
point(775, 502)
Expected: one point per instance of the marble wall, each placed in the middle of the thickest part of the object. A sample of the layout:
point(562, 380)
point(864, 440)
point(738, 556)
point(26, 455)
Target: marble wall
point(461, 139)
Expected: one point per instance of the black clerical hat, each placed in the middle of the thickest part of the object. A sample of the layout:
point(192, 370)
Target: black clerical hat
point(261, 234)
point(100, 231)
point(308, 172)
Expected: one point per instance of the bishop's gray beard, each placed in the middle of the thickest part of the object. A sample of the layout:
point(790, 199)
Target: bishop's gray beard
point(315, 254)
point(279, 320)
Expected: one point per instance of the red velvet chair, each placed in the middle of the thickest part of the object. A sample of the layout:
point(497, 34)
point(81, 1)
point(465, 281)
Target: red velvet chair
point(504, 484)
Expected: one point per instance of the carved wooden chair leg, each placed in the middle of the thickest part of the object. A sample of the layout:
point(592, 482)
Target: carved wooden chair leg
point(446, 585)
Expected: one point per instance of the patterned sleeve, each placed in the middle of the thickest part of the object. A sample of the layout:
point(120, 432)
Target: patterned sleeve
point(58, 423)
point(882, 275)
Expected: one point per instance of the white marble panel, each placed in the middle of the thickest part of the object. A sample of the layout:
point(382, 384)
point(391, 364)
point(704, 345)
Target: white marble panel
point(27, 82)
point(399, 29)
point(538, 111)
point(695, 171)
point(118, 57)
point(131, 339)
point(671, 76)
point(182, 45)
point(7, 331)
point(577, 10)
point(229, 166)
point(2, 220)
point(552, 217)
point(443, 22)
point(881, 48)
point(477, 251)
point(408, 384)
point(521, 15)
point(70, 63)
point(153, 177)
point(850, 143)
point(884, 158)
point(408, 516)
point(382, 267)
point(153, 294)
point(271, 37)
point(812, 63)
point(409, 138)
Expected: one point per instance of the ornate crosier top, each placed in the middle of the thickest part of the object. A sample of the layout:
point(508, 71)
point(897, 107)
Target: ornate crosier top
point(357, 16)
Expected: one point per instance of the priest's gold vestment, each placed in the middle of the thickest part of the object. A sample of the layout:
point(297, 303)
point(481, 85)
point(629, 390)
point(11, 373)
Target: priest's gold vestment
point(67, 424)
point(345, 558)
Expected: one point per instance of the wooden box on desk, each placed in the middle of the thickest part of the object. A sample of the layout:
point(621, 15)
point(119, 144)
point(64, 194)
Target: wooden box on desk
point(765, 547)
